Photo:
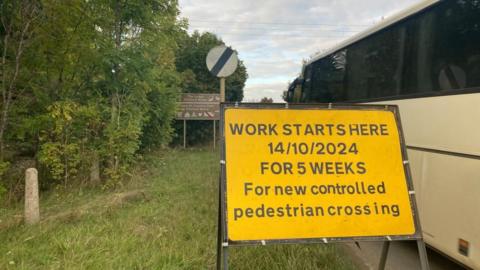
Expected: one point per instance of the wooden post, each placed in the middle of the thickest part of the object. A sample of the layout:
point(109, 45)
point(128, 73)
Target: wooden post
point(222, 89)
point(222, 99)
point(32, 208)
point(184, 133)
point(214, 135)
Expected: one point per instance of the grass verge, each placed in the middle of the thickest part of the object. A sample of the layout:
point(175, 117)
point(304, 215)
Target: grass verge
point(171, 226)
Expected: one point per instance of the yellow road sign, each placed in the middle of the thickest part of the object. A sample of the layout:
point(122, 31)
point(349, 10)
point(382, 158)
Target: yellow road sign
point(314, 173)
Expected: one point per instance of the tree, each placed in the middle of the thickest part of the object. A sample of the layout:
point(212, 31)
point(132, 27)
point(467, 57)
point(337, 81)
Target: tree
point(266, 100)
point(285, 96)
point(138, 83)
point(17, 24)
point(87, 83)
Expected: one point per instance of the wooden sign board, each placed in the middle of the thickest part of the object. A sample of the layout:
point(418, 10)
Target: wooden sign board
point(200, 98)
point(195, 106)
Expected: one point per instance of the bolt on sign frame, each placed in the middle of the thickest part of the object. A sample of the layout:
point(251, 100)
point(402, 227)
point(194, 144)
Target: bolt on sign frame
point(264, 119)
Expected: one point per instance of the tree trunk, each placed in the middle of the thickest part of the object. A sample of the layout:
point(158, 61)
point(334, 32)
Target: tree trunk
point(95, 170)
point(27, 12)
point(115, 113)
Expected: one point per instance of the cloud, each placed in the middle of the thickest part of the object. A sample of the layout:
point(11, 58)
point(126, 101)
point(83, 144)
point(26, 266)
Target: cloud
point(266, 89)
point(273, 36)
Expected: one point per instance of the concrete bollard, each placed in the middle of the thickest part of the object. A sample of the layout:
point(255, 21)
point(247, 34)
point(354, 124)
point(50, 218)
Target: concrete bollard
point(32, 208)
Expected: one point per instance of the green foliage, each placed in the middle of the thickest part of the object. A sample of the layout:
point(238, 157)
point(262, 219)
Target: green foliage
point(3, 190)
point(89, 84)
point(266, 100)
point(138, 52)
point(61, 160)
point(60, 143)
point(158, 130)
point(3, 168)
point(97, 79)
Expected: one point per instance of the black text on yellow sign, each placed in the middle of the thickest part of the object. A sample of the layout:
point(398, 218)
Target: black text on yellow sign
point(314, 173)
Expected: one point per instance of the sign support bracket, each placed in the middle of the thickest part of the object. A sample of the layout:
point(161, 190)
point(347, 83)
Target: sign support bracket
point(383, 257)
point(222, 248)
point(225, 258)
point(219, 227)
point(222, 245)
point(422, 254)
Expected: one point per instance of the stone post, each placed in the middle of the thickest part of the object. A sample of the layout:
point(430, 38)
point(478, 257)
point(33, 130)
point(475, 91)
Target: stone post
point(32, 209)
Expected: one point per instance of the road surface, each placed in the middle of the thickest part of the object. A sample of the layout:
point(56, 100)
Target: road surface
point(402, 255)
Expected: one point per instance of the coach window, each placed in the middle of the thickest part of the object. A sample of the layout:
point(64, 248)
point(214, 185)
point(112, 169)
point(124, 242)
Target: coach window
point(336, 82)
point(307, 83)
point(419, 52)
point(456, 61)
point(328, 78)
point(318, 90)
point(321, 76)
point(375, 66)
point(356, 72)
point(386, 62)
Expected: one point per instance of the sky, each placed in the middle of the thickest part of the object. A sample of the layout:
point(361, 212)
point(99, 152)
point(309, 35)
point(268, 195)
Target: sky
point(272, 37)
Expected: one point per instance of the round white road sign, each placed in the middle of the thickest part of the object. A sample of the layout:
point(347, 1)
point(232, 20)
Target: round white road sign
point(222, 61)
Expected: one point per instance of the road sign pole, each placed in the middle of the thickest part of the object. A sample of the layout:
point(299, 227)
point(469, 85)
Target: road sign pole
point(222, 89)
point(219, 225)
point(222, 62)
point(222, 99)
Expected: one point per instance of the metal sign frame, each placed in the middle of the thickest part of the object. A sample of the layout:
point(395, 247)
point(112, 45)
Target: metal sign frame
point(224, 242)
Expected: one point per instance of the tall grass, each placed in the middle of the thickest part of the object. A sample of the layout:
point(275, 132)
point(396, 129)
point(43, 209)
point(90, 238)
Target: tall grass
point(173, 227)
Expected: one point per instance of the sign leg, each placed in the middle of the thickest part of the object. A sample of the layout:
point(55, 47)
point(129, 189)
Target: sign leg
point(214, 135)
point(219, 231)
point(221, 250)
point(225, 258)
point(184, 134)
point(383, 257)
point(422, 253)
